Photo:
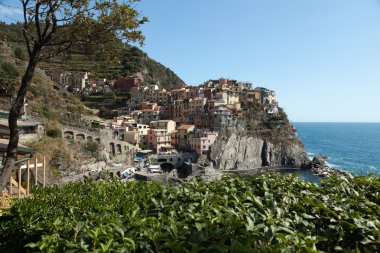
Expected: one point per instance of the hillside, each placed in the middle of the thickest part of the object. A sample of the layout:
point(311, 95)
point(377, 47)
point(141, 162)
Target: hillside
point(130, 61)
point(49, 104)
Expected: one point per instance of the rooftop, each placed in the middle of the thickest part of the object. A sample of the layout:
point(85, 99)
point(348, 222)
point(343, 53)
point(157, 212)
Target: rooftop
point(22, 150)
point(185, 127)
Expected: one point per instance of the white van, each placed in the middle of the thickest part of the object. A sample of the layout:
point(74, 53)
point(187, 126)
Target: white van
point(154, 169)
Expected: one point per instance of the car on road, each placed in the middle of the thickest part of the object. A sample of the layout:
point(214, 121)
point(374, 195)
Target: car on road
point(154, 169)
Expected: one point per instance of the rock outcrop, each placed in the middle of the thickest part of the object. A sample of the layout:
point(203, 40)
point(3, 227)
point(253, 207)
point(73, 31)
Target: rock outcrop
point(238, 148)
point(319, 167)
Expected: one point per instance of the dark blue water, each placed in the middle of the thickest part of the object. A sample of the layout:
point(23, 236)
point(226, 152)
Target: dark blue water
point(352, 147)
point(306, 175)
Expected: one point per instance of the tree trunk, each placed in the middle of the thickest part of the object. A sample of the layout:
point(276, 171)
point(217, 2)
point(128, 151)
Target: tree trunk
point(14, 114)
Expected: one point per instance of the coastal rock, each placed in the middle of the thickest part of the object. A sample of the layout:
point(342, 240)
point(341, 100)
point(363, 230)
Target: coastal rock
point(319, 161)
point(241, 150)
point(237, 151)
point(319, 167)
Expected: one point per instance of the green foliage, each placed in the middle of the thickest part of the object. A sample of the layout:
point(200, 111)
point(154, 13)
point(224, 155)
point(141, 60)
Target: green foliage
point(270, 213)
point(54, 132)
point(9, 70)
point(10, 32)
point(20, 54)
point(274, 120)
point(92, 147)
point(8, 77)
point(46, 112)
point(133, 61)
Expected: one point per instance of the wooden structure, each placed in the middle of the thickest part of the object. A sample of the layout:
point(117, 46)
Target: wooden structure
point(28, 166)
point(26, 162)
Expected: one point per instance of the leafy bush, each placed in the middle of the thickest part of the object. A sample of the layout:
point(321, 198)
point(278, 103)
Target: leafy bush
point(8, 77)
point(270, 213)
point(54, 133)
point(92, 147)
point(46, 113)
point(20, 54)
point(9, 70)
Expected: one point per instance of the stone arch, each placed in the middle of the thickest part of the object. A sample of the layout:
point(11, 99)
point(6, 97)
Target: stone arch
point(80, 137)
point(112, 148)
point(167, 167)
point(69, 135)
point(89, 138)
point(118, 148)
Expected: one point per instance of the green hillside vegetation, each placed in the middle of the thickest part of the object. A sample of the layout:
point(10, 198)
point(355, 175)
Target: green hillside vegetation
point(131, 61)
point(270, 213)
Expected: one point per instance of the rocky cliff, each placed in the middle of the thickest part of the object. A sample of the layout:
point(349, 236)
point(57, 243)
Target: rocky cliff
point(247, 145)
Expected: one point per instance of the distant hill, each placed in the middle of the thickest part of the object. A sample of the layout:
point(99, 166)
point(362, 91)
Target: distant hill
point(132, 61)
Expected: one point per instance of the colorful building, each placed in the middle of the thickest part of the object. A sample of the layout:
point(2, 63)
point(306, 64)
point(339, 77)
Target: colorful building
point(201, 140)
point(182, 135)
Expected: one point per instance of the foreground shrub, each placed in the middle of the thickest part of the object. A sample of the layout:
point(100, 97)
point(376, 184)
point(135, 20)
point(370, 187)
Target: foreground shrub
point(268, 213)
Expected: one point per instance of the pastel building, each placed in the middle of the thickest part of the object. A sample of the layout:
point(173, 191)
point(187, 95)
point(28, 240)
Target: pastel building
point(163, 97)
point(169, 125)
point(137, 134)
point(250, 96)
point(179, 109)
point(201, 141)
point(196, 105)
point(159, 138)
point(182, 135)
point(180, 93)
point(232, 97)
point(160, 134)
point(202, 120)
point(151, 92)
point(146, 116)
point(223, 117)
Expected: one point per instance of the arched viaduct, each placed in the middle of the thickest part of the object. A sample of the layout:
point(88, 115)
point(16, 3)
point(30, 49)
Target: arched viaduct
point(102, 136)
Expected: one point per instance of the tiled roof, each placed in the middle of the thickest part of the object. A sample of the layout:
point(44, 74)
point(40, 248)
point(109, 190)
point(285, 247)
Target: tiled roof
point(185, 127)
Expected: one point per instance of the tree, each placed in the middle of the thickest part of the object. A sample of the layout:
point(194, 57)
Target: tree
point(50, 27)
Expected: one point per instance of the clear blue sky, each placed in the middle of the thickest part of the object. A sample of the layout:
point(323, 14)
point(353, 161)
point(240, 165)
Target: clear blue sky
point(322, 57)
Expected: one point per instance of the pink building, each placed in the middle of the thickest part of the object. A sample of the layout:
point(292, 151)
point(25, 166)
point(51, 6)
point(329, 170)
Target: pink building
point(159, 138)
point(201, 140)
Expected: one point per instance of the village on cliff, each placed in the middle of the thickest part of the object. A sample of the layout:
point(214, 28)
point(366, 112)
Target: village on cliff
point(164, 129)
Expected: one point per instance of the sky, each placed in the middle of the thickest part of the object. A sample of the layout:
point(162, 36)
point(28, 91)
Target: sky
point(321, 57)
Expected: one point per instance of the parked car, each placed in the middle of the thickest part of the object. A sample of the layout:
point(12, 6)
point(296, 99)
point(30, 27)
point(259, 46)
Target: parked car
point(154, 169)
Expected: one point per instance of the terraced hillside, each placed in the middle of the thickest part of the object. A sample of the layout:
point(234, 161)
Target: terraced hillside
point(130, 61)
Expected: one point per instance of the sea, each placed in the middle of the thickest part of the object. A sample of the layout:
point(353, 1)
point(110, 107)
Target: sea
point(351, 147)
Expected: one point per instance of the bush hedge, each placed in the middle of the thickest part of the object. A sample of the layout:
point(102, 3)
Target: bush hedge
point(270, 213)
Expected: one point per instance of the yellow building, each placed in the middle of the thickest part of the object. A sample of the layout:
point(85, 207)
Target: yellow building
point(183, 134)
